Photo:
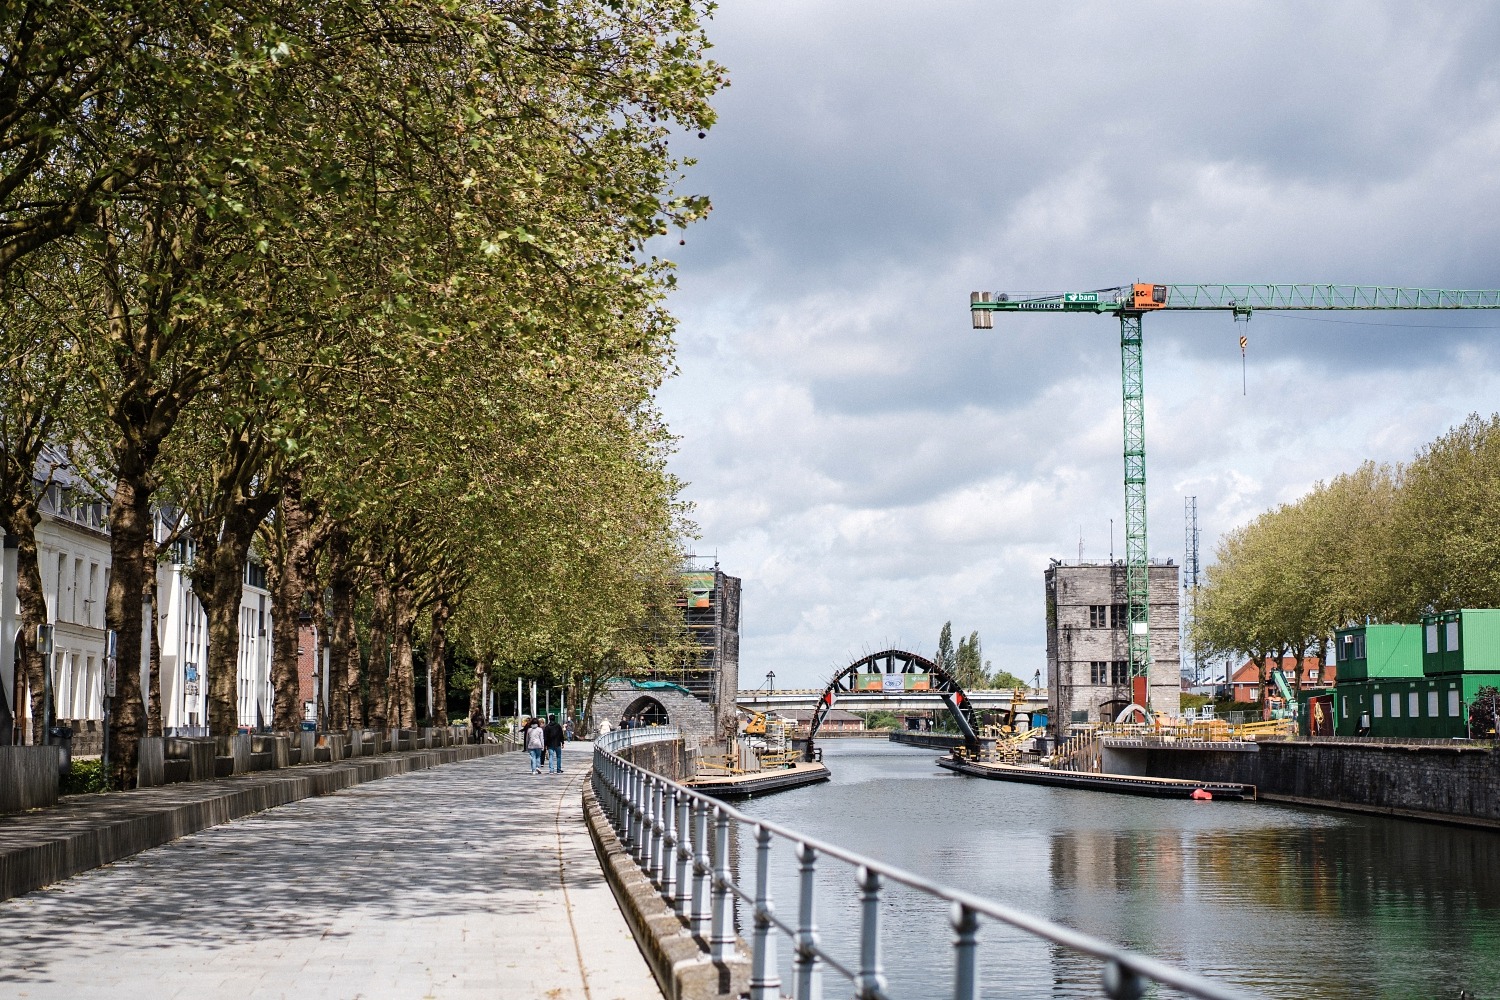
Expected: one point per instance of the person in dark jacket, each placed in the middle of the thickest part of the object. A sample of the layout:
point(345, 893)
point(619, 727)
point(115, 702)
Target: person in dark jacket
point(552, 735)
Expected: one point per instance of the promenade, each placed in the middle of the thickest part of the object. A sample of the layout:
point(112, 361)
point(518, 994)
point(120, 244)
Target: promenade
point(473, 879)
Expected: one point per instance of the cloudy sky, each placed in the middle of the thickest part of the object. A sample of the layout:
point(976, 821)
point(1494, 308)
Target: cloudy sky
point(872, 467)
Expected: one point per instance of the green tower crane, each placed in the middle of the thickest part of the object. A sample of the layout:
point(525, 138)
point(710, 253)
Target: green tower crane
point(1131, 302)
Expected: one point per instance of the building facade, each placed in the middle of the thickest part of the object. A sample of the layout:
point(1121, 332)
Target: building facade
point(1087, 663)
point(73, 556)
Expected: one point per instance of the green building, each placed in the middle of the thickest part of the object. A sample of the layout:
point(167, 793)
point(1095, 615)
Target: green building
point(1415, 681)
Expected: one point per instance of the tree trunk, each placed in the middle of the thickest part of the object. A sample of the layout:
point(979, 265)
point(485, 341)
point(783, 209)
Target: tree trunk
point(129, 524)
point(343, 642)
point(476, 693)
point(218, 576)
point(403, 692)
point(288, 575)
point(149, 598)
point(437, 659)
point(31, 597)
point(378, 668)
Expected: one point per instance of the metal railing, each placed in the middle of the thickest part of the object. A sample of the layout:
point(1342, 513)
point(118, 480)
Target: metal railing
point(680, 838)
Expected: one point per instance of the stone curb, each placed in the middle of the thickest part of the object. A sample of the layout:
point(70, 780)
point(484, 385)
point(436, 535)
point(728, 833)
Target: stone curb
point(88, 831)
point(677, 959)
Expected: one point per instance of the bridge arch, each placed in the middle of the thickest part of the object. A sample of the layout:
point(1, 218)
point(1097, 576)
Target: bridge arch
point(895, 662)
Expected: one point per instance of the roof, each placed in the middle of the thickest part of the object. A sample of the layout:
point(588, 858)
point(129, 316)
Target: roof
point(805, 715)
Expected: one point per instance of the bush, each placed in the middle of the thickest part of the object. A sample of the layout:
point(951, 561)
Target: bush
point(86, 775)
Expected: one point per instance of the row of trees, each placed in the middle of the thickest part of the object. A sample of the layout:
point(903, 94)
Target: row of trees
point(361, 286)
point(1383, 544)
point(966, 662)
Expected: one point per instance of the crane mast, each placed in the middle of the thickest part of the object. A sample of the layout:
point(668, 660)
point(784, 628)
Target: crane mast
point(1130, 302)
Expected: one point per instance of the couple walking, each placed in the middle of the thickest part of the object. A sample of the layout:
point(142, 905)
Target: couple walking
point(539, 739)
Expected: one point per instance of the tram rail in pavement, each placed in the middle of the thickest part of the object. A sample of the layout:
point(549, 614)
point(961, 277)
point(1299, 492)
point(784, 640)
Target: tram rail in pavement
point(680, 840)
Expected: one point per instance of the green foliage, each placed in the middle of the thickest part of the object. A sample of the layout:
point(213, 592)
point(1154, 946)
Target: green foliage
point(946, 658)
point(1006, 679)
point(882, 720)
point(1482, 713)
point(86, 775)
point(969, 662)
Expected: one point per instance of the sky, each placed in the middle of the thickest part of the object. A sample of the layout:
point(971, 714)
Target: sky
point(872, 467)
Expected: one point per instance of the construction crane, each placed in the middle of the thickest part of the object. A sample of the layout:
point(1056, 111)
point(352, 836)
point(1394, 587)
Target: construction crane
point(1132, 301)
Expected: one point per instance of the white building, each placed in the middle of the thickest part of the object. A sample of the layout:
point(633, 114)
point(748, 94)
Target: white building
point(73, 552)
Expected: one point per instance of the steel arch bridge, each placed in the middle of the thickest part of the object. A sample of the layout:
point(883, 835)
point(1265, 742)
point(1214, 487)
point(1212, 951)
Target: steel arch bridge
point(894, 663)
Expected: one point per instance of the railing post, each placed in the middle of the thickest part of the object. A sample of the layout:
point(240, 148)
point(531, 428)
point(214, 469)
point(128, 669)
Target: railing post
point(965, 952)
point(807, 974)
point(684, 854)
point(699, 921)
point(653, 830)
point(669, 844)
point(765, 978)
point(637, 816)
point(721, 940)
point(870, 982)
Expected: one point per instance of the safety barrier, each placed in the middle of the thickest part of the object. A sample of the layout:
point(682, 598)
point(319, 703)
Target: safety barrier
point(680, 839)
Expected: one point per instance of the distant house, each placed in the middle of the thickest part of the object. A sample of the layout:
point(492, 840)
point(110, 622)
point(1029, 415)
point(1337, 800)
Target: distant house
point(837, 720)
point(1245, 682)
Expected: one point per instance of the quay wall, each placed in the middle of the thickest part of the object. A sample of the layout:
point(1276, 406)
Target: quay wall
point(937, 741)
point(1424, 781)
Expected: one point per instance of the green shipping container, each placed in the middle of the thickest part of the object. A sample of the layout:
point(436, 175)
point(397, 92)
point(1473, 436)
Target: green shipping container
point(1421, 708)
point(1461, 642)
point(1378, 651)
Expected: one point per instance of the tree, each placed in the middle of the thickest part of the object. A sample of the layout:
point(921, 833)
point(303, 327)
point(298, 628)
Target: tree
point(969, 663)
point(946, 657)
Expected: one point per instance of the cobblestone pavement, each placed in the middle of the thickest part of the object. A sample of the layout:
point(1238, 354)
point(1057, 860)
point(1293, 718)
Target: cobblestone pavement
point(474, 879)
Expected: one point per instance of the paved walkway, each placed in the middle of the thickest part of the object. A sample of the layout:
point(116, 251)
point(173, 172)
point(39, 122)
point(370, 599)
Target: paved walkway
point(473, 879)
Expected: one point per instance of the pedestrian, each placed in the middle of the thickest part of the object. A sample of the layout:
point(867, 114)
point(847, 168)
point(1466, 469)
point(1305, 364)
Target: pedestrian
point(476, 724)
point(535, 742)
point(552, 738)
point(604, 727)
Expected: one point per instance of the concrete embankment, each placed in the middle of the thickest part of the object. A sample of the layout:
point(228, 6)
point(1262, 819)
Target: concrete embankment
point(935, 741)
point(1449, 783)
point(82, 832)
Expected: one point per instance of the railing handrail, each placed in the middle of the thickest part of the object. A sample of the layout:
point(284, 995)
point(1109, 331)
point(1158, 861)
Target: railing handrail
point(617, 739)
point(643, 796)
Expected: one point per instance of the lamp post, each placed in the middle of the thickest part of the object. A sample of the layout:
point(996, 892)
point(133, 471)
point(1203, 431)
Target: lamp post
point(771, 680)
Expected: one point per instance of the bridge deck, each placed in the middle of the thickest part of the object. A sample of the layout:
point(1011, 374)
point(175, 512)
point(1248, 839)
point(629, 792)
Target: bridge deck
point(467, 880)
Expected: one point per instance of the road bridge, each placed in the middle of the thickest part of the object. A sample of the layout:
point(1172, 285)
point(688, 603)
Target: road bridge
point(1032, 700)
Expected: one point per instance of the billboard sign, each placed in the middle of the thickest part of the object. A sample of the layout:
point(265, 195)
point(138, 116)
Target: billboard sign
point(892, 683)
point(699, 588)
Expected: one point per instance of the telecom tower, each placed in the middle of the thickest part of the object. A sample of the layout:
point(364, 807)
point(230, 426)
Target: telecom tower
point(1190, 588)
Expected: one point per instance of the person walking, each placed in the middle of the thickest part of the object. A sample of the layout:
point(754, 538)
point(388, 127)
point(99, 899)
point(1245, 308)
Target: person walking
point(476, 724)
point(552, 738)
point(604, 727)
point(535, 742)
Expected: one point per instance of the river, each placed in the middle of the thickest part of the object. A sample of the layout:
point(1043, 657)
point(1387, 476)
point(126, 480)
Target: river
point(1283, 901)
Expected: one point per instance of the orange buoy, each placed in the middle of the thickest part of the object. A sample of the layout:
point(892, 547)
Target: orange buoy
point(1202, 794)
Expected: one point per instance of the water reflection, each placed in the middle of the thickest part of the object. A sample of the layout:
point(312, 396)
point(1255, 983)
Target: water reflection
point(1287, 902)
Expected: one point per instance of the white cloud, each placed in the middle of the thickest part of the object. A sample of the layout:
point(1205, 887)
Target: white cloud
point(872, 467)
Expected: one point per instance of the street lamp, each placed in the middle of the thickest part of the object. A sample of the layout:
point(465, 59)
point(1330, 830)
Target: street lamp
point(771, 680)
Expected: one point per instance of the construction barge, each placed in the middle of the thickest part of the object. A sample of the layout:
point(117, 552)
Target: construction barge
point(1123, 784)
point(745, 785)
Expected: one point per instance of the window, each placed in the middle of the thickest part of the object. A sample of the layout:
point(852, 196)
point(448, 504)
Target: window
point(1359, 646)
point(1378, 704)
point(1099, 672)
point(1413, 706)
point(1453, 706)
point(1451, 643)
point(1120, 672)
point(1431, 631)
point(1098, 616)
point(1432, 705)
point(1395, 705)
point(1119, 620)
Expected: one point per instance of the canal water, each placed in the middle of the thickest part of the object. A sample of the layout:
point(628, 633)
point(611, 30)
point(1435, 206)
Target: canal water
point(1282, 901)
